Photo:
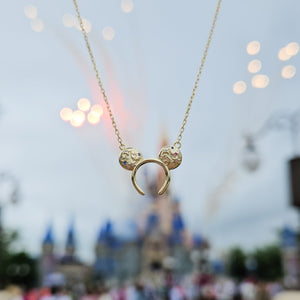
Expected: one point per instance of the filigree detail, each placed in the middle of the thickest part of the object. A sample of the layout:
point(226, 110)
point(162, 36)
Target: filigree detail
point(171, 156)
point(129, 158)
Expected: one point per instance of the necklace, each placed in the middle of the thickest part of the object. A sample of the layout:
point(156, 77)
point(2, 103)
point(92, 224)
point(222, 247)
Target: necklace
point(169, 157)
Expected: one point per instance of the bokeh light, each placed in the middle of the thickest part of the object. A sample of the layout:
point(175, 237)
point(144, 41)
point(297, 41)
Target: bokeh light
point(93, 117)
point(30, 11)
point(66, 114)
point(288, 72)
point(84, 104)
point(253, 47)
point(86, 25)
point(283, 55)
point(97, 108)
point(69, 20)
point(239, 87)
point(127, 6)
point(78, 118)
point(260, 81)
point(254, 66)
point(292, 48)
point(37, 25)
point(108, 33)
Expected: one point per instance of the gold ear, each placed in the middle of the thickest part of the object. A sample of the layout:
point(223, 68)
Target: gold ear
point(171, 156)
point(129, 158)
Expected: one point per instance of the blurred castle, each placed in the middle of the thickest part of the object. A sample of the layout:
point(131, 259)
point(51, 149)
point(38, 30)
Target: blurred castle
point(162, 243)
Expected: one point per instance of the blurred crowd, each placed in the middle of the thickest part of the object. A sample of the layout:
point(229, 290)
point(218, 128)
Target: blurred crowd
point(205, 288)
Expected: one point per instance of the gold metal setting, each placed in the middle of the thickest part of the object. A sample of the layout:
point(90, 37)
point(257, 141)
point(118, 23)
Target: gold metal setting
point(156, 161)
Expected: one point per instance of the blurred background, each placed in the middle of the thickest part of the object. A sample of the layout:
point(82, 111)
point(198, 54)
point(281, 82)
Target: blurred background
point(72, 224)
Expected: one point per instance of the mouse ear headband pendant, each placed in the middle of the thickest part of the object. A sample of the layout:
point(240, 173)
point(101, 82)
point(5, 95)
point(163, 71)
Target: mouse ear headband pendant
point(169, 157)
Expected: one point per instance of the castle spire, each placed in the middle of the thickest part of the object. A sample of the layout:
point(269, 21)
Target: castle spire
point(48, 241)
point(48, 238)
point(71, 240)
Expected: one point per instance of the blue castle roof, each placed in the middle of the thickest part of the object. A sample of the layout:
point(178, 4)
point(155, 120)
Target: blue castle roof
point(49, 239)
point(178, 224)
point(152, 222)
point(198, 240)
point(289, 237)
point(107, 236)
point(176, 237)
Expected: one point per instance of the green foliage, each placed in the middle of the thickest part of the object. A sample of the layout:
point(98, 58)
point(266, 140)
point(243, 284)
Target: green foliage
point(15, 267)
point(6, 242)
point(236, 263)
point(269, 262)
point(21, 270)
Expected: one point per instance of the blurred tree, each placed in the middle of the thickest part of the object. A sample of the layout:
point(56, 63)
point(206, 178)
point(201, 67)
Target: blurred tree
point(236, 263)
point(15, 267)
point(269, 262)
point(6, 241)
point(21, 269)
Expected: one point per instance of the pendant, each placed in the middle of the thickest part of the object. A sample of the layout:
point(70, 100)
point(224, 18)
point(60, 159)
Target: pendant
point(169, 158)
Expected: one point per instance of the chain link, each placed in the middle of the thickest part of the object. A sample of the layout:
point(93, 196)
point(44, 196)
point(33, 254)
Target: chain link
point(187, 112)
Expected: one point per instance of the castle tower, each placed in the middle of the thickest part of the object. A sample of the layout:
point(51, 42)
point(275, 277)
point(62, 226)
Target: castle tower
point(155, 247)
point(48, 242)
point(71, 241)
point(129, 256)
point(47, 260)
point(177, 241)
point(69, 256)
point(105, 251)
point(200, 254)
point(73, 270)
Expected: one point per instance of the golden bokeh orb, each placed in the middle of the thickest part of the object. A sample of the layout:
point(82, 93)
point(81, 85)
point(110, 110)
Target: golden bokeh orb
point(66, 114)
point(86, 25)
point(69, 20)
point(30, 11)
point(239, 87)
point(283, 55)
point(288, 72)
point(254, 66)
point(127, 6)
point(37, 25)
point(260, 81)
point(78, 118)
point(93, 117)
point(97, 108)
point(84, 104)
point(292, 48)
point(108, 33)
point(253, 47)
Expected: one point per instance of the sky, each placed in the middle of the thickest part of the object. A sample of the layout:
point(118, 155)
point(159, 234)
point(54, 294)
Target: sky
point(148, 70)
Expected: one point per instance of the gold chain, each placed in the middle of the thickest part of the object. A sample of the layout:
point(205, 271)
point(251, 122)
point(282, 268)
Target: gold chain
point(187, 112)
point(114, 124)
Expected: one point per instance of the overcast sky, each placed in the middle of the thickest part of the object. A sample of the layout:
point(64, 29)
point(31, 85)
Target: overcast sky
point(148, 71)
